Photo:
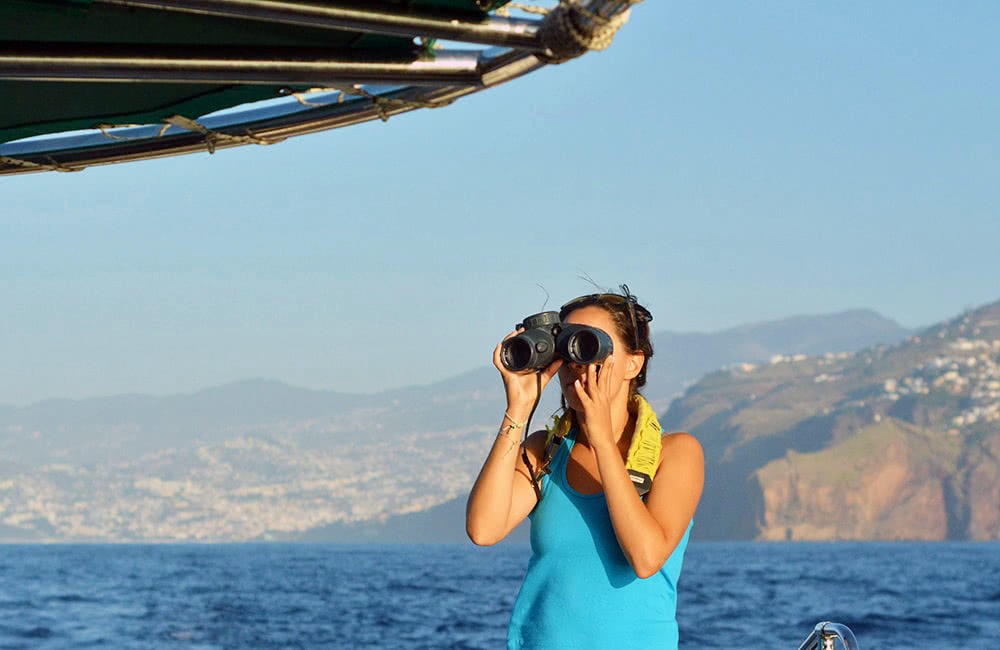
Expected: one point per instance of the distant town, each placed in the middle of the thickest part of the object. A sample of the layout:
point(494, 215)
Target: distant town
point(343, 461)
point(971, 369)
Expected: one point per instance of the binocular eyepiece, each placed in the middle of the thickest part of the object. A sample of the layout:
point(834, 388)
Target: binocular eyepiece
point(545, 336)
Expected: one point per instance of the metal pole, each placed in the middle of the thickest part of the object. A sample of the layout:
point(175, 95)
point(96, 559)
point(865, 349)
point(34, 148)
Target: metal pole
point(504, 32)
point(78, 151)
point(243, 66)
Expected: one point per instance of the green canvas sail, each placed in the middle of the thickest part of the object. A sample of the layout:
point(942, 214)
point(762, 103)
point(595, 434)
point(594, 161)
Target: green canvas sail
point(78, 77)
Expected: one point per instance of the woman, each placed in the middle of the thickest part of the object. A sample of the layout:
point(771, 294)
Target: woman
point(605, 560)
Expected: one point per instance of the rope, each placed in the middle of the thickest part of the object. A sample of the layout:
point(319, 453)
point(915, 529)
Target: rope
point(106, 128)
point(570, 30)
point(528, 9)
point(384, 105)
point(300, 97)
point(52, 165)
point(214, 138)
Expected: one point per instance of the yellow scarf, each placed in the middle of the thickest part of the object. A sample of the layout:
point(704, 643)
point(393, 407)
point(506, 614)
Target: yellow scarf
point(644, 450)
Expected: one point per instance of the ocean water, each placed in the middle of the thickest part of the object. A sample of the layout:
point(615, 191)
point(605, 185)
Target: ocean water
point(733, 595)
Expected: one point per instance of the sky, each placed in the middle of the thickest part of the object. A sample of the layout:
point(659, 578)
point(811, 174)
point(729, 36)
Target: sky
point(732, 162)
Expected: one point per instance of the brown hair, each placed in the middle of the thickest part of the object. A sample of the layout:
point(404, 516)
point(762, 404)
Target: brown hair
point(631, 320)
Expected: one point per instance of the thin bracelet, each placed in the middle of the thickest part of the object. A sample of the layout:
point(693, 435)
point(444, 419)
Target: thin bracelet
point(506, 431)
point(514, 424)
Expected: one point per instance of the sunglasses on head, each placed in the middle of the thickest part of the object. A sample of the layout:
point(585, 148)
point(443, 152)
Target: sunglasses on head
point(637, 313)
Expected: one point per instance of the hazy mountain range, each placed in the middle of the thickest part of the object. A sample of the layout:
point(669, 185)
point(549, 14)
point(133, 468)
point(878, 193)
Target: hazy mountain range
point(263, 460)
point(890, 442)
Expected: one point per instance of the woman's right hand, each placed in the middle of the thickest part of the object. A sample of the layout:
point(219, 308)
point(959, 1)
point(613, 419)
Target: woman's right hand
point(522, 387)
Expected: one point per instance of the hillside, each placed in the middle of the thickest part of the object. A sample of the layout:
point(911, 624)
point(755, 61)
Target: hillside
point(263, 460)
point(895, 442)
point(678, 359)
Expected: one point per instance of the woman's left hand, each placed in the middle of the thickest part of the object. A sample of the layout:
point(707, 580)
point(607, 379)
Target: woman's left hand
point(594, 390)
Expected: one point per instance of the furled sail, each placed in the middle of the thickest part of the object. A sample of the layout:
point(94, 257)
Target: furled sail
point(86, 82)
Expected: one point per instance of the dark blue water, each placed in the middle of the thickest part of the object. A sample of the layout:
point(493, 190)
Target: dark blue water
point(943, 596)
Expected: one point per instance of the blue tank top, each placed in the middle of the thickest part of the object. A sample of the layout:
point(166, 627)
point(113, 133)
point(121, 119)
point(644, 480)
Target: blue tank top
point(579, 590)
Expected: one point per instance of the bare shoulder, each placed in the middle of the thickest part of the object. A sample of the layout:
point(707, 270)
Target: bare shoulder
point(680, 440)
point(534, 444)
point(679, 482)
point(681, 447)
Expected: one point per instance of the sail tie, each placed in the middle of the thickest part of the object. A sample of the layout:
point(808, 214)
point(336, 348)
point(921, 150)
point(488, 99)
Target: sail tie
point(215, 138)
point(52, 165)
point(385, 105)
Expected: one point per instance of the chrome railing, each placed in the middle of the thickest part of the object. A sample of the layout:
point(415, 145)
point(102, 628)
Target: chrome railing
point(824, 635)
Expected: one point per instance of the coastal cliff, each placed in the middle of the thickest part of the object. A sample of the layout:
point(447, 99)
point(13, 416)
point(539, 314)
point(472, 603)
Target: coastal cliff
point(895, 442)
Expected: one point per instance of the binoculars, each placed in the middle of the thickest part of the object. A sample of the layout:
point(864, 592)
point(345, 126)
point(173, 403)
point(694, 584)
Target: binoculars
point(545, 336)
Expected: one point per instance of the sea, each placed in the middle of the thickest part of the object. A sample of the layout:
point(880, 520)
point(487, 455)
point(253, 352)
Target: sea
point(944, 596)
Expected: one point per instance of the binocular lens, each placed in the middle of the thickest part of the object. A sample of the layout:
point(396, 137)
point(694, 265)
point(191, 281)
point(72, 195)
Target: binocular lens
point(532, 348)
point(583, 344)
point(516, 354)
point(584, 347)
point(543, 336)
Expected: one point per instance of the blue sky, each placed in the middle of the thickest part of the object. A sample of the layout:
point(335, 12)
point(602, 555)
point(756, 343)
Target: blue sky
point(733, 162)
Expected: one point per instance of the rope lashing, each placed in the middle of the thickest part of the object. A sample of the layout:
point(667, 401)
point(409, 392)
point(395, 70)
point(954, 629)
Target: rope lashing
point(214, 138)
point(301, 98)
point(384, 105)
point(105, 130)
point(569, 30)
point(528, 9)
point(52, 165)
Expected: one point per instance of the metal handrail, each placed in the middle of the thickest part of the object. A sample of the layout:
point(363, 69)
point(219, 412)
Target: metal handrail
point(824, 635)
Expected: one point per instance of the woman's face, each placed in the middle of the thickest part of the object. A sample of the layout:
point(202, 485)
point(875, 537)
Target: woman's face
point(622, 370)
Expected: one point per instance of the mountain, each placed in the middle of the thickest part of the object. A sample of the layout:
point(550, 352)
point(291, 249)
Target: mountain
point(123, 427)
point(679, 359)
point(897, 442)
point(262, 460)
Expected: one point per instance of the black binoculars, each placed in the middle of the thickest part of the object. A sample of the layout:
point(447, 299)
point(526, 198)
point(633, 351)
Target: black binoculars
point(545, 336)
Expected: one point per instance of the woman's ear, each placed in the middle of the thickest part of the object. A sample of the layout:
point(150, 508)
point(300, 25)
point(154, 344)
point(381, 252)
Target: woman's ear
point(633, 364)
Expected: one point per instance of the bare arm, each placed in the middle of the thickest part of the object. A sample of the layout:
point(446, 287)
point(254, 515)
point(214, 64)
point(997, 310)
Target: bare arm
point(503, 494)
point(649, 532)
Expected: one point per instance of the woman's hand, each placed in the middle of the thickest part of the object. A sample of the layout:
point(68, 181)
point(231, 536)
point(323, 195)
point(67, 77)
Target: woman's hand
point(594, 391)
point(522, 387)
